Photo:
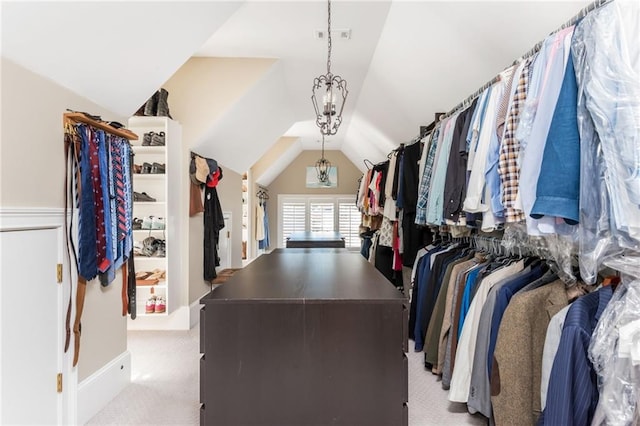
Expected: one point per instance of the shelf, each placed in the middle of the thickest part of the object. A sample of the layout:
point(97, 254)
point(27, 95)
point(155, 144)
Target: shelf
point(150, 203)
point(144, 314)
point(149, 176)
point(166, 189)
point(139, 149)
point(155, 287)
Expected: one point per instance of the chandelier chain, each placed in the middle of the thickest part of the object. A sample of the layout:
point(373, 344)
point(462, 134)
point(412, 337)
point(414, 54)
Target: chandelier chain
point(329, 36)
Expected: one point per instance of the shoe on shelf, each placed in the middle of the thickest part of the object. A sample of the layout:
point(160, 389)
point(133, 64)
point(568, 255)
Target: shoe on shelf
point(157, 168)
point(137, 168)
point(137, 224)
point(161, 305)
point(157, 139)
point(146, 168)
point(150, 246)
point(146, 139)
point(141, 275)
point(161, 249)
point(138, 248)
point(162, 107)
point(157, 274)
point(147, 222)
point(150, 306)
point(142, 196)
point(157, 223)
point(151, 107)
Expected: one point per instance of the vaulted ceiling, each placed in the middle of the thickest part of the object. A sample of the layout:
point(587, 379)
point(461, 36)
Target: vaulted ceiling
point(405, 61)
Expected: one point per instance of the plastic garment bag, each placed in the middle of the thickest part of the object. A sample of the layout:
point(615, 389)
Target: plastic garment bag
point(606, 55)
point(615, 353)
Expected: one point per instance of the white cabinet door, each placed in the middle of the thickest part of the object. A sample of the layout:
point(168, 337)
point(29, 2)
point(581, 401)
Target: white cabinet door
point(30, 327)
point(224, 243)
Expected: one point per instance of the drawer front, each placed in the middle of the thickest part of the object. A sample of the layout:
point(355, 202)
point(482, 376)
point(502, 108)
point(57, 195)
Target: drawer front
point(203, 376)
point(405, 415)
point(202, 333)
point(405, 378)
point(405, 328)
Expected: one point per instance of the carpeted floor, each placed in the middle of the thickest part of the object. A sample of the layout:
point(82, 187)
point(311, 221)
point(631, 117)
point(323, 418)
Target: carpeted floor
point(164, 386)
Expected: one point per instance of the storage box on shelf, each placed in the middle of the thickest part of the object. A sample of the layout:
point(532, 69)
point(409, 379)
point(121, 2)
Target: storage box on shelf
point(155, 210)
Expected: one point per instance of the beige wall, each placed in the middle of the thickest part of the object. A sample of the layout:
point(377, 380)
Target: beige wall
point(32, 175)
point(199, 92)
point(270, 157)
point(230, 194)
point(292, 181)
point(203, 88)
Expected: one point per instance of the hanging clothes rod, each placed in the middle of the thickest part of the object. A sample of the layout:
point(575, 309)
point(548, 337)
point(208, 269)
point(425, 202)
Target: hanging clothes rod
point(78, 117)
point(587, 9)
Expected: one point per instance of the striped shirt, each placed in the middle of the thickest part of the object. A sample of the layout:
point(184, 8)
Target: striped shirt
point(573, 395)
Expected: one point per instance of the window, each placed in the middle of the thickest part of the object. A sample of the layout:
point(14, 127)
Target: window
point(322, 217)
point(349, 219)
point(301, 213)
point(293, 219)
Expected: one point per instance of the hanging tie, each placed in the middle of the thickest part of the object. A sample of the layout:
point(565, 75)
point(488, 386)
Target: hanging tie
point(101, 235)
point(116, 153)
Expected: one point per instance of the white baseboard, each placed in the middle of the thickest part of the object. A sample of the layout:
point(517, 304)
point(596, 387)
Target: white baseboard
point(95, 392)
point(194, 313)
point(176, 320)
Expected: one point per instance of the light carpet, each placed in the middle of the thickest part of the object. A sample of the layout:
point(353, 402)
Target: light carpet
point(165, 386)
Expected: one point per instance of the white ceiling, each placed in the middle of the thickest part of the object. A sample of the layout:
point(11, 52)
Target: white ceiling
point(405, 61)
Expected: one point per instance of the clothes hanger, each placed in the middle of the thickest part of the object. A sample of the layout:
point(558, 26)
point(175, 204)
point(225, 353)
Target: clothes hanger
point(368, 164)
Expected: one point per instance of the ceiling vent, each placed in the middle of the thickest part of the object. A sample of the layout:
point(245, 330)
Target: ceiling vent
point(336, 34)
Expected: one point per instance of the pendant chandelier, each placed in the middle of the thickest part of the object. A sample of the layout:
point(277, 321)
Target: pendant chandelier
point(333, 91)
point(322, 167)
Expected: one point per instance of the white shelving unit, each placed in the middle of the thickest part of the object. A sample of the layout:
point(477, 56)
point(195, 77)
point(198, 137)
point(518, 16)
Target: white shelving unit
point(165, 189)
point(245, 217)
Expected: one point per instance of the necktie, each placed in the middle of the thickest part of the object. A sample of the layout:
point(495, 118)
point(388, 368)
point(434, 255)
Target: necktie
point(117, 157)
point(96, 185)
point(87, 253)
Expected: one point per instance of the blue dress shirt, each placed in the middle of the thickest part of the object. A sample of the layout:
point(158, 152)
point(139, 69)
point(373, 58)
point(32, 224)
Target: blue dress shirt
point(466, 296)
point(573, 392)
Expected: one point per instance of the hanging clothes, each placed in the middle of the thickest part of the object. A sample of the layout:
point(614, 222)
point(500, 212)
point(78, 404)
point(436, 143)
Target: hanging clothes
point(213, 224)
point(413, 237)
point(568, 404)
point(518, 355)
point(259, 225)
point(264, 243)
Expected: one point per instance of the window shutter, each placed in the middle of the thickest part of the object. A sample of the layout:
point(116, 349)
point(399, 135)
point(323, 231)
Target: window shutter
point(349, 219)
point(293, 219)
point(322, 217)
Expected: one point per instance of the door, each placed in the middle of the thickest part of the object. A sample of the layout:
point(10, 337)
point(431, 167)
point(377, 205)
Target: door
point(224, 243)
point(30, 327)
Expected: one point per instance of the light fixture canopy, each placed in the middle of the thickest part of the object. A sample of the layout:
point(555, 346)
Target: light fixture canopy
point(323, 166)
point(333, 91)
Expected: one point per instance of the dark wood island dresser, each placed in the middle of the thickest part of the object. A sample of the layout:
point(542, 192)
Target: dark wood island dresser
point(304, 337)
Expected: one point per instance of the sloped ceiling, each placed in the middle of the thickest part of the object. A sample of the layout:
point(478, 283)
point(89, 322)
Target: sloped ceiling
point(115, 53)
point(406, 60)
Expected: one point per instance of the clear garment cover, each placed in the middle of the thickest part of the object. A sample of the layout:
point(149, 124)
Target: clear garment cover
point(606, 55)
point(615, 353)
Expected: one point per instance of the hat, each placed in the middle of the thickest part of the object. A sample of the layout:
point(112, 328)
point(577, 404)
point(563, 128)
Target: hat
point(212, 182)
point(213, 165)
point(202, 169)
